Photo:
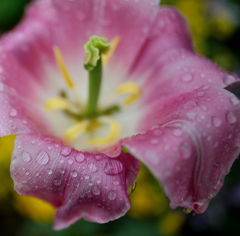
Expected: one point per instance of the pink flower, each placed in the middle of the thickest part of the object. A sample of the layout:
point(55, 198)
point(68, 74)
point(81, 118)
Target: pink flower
point(181, 122)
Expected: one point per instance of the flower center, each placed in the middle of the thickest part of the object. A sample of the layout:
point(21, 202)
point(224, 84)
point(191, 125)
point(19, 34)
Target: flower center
point(89, 118)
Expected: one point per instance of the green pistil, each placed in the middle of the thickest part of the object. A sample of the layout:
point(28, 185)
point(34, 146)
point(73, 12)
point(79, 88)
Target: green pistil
point(93, 63)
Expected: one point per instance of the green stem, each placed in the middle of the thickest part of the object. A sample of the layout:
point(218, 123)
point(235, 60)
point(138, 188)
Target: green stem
point(94, 86)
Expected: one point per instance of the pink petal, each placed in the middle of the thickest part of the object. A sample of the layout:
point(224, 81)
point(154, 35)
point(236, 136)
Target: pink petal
point(173, 66)
point(79, 185)
point(69, 25)
point(194, 146)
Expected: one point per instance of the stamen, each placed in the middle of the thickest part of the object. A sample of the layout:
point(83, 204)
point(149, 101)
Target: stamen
point(62, 67)
point(114, 44)
point(131, 88)
point(75, 131)
point(57, 103)
point(113, 134)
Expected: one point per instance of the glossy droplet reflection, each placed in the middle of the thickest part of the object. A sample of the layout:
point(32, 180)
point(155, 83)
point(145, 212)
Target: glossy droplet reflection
point(80, 157)
point(42, 158)
point(112, 195)
point(186, 211)
point(26, 157)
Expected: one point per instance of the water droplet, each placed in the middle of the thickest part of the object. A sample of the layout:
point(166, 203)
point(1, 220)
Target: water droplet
point(186, 210)
point(216, 121)
point(26, 157)
point(98, 157)
point(92, 167)
point(86, 177)
point(57, 182)
point(191, 115)
point(37, 173)
point(66, 151)
point(98, 181)
point(132, 188)
point(157, 132)
point(205, 87)
point(112, 195)
point(62, 171)
point(70, 161)
point(185, 150)
point(177, 132)
point(27, 173)
point(203, 107)
point(113, 167)
point(187, 78)
point(218, 185)
point(234, 100)
point(231, 118)
point(49, 171)
point(13, 112)
point(229, 79)
point(200, 94)
point(115, 182)
point(80, 157)
point(96, 191)
point(42, 158)
point(74, 173)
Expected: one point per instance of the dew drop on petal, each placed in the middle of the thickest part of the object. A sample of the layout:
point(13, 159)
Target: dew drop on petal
point(98, 157)
point(157, 132)
point(66, 151)
point(70, 161)
point(112, 195)
point(229, 79)
point(42, 158)
point(80, 157)
point(186, 210)
point(26, 157)
point(132, 188)
point(57, 182)
point(92, 167)
point(234, 100)
point(216, 121)
point(13, 112)
point(185, 150)
point(74, 173)
point(62, 171)
point(177, 132)
point(86, 177)
point(231, 118)
point(96, 191)
point(187, 78)
point(49, 171)
point(113, 167)
point(115, 182)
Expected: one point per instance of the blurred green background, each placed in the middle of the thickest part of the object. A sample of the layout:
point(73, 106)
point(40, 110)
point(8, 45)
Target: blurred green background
point(215, 26)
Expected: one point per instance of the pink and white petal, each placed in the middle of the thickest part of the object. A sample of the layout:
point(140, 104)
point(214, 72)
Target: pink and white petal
point(193, 146)
point(79, 185)
point(172, 65)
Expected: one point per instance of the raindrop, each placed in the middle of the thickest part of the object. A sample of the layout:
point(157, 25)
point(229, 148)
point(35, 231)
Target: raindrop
point(57, 182)
point(26, 157)
point(187, 78)
point(132, 188)
point(80, 157)
point(157, 132)
point(115, 182)
point(186, 210)
point(216, 121)
point(112, 195)
point(62, 171)
point(96, 191)
point(70, 161)
point(113, 167)
point(66, 151)
point(37, 173)
point(49, 171)
point(86, 177)
point(92, 167)
point(191, 115)
point(229, 79)
point(206, 87)
point(98, 181)
point(177, 132)
point(74, 173)
point(13, 112)
point(185, 150)
point(200, 94)
point(98, 157)
point(42, 158)
point(234, 100)
point(231, 118)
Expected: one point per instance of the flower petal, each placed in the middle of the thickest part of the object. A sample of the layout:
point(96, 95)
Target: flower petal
point(172, 65)
point(79, 185)
point(194, 146)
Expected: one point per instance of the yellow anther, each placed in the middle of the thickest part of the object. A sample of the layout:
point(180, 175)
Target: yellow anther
point(75, 131)
point(114, 44)
point(113, 134)
point(130, 88)
point(62, 67)
point(57, 103)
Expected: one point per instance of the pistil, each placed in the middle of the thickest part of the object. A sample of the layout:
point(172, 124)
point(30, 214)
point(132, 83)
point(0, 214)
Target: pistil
point(93, 63)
